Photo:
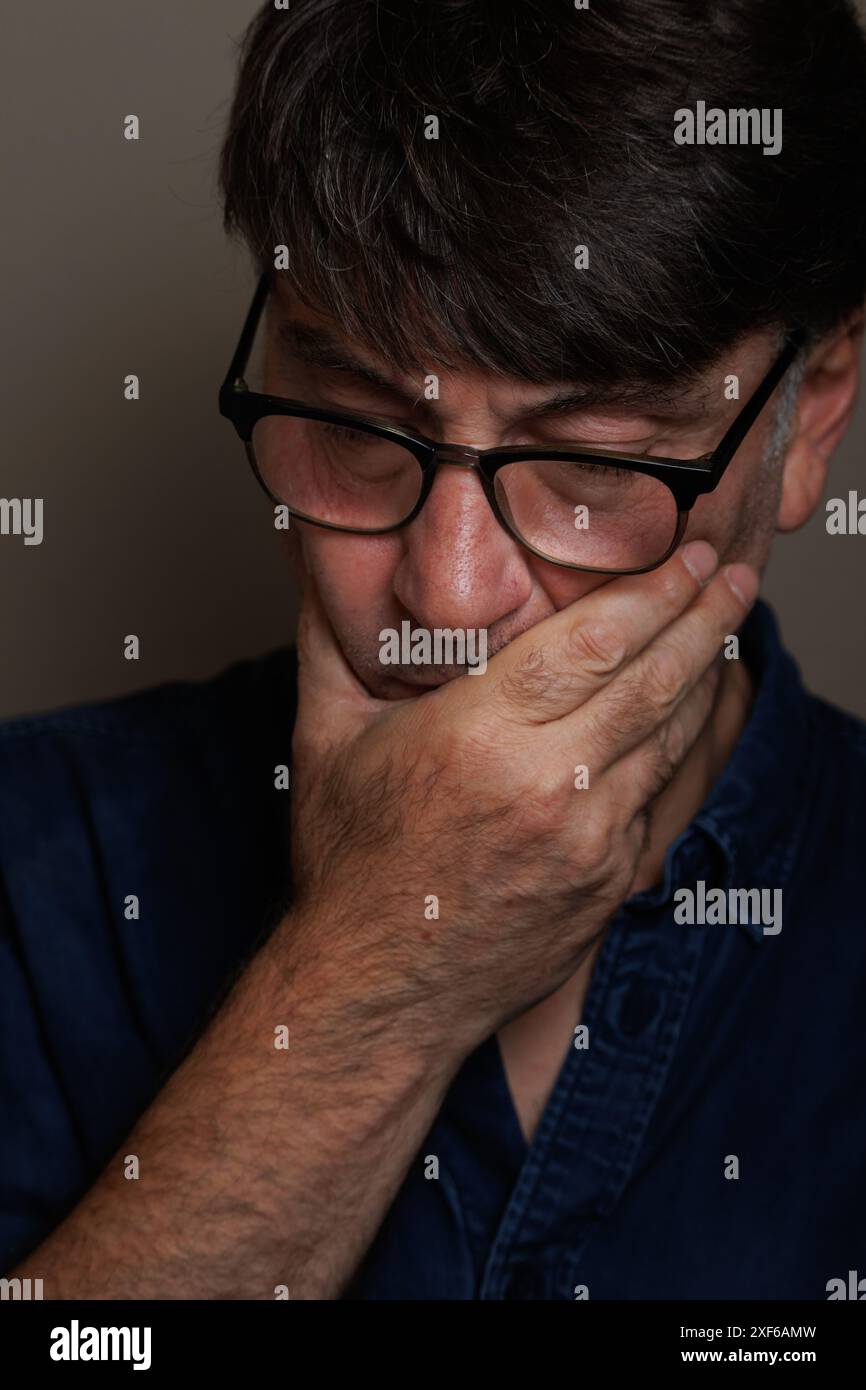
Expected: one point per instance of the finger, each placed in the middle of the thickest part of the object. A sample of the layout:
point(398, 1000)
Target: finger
point(331, 699)
point(636, 780)
point(646, 694)
point(551, 669)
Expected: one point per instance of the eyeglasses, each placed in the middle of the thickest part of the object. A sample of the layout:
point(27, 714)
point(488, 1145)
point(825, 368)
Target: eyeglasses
point(581, 507)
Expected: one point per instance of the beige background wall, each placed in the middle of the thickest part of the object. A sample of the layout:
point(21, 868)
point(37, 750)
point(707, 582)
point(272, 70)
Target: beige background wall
point(114, 261)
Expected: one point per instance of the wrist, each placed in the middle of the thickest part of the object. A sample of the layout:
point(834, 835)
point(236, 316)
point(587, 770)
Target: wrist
point(355, 1014)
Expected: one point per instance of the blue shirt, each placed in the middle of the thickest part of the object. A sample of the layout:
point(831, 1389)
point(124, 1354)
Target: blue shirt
point(708, 1143)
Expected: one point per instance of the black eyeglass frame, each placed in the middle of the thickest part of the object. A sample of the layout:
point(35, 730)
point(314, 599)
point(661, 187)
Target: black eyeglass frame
point(686, 479)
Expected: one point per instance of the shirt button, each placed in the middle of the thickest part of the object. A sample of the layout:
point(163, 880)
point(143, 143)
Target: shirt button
point(638, 1009)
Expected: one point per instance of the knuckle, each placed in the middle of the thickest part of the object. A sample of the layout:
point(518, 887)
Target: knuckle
point(594, 849)
point(599, 647)
point(724, 610)
point(619, 718)
point(637, 833)
point(660, 766)
point(652, 780)
point(536, 808)
point(663, 769)
point(663, 676)
point(676, 585)
point(673, 743)
point(532, 683)
point(551, 784)
point(527, 681)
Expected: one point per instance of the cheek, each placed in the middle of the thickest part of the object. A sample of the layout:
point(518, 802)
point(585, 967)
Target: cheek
point(562, 587)
point(293, 550)
point(735, 509)
point(354, 574)
point(710, 519)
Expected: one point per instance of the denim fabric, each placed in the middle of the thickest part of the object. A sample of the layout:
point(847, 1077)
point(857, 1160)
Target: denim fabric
point(707, 1043)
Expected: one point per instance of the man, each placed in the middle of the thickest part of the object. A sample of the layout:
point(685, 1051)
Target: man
point(558, 994)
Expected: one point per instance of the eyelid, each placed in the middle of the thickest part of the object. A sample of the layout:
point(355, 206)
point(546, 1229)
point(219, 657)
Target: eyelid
point(385, 417)
point(576, 441)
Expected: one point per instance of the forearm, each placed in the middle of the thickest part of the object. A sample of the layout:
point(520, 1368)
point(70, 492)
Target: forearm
point(259, 1166)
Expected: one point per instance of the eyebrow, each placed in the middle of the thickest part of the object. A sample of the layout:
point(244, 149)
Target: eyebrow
point(317, 347)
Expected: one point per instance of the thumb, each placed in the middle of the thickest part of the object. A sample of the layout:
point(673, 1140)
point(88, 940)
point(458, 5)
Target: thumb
point(332, 702)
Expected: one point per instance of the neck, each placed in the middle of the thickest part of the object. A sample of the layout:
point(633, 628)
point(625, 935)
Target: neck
point(679, 803)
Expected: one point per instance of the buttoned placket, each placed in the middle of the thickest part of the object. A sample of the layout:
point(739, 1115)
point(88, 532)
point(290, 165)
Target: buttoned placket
point(595, 1121)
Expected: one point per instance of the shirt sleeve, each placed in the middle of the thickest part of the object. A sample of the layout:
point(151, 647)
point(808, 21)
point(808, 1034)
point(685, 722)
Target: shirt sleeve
point(143, 851)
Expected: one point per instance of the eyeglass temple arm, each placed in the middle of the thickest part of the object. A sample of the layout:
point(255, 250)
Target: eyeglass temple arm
point(245, 342)
point(746, 419)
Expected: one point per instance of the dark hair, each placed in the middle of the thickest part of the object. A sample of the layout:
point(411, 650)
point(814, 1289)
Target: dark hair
point(556, 129)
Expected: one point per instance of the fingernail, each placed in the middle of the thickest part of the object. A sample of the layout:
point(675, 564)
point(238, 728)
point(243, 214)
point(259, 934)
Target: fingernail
point(744, 582)
point(700, 559)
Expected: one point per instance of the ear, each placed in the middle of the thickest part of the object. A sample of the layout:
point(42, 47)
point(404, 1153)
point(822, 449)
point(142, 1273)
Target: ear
point(825, 405)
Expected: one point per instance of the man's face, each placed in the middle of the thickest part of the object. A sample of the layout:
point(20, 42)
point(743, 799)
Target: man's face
point(454, 566)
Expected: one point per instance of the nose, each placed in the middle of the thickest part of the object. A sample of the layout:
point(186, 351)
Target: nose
point(459, 567)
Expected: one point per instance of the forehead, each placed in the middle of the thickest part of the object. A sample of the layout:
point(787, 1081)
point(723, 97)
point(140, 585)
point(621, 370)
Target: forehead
point(307, 331)
point(285, 305)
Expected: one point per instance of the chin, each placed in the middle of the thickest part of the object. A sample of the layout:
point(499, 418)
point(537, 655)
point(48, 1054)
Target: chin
point(384, 687)
point(406, 690)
